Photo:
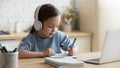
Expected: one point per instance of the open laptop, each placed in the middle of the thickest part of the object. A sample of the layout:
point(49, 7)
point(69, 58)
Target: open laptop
point(111, 48)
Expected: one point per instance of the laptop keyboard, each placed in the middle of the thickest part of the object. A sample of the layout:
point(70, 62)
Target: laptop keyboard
point(96, 58)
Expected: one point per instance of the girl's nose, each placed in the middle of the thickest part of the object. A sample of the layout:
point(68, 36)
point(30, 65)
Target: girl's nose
point(54, 29)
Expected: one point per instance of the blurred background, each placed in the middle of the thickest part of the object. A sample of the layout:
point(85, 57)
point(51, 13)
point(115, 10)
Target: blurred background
point(90, 18)
point(18, 15)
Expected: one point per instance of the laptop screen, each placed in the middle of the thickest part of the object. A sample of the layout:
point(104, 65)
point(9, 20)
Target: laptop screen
point(111, 46)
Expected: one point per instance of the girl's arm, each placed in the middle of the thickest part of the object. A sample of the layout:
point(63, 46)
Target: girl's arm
point(31, 54)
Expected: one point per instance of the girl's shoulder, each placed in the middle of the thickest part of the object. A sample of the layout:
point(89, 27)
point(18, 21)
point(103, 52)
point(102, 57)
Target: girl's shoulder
point(30, 36)
point(60, 33)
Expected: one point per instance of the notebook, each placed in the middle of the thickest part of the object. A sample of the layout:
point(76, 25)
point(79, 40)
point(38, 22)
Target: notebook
point(111, 48)
point(63, 61)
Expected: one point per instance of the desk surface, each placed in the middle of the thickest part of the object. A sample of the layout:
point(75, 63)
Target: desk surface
point(39, 63)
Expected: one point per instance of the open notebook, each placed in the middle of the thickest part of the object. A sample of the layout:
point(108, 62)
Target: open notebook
point(62, 60)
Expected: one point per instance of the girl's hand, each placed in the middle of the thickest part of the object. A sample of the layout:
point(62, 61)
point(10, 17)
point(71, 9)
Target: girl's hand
point(71, 51)
point(49, 52)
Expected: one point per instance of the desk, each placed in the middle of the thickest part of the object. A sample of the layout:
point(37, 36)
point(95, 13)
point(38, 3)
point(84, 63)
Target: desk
point(33, 63)
point(39, 63)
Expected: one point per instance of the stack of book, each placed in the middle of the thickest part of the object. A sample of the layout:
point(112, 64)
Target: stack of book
point(64, 61)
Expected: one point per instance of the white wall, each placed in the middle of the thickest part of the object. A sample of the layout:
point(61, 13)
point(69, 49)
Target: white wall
point(96, 16)
point(22, 11)
point(109, 16)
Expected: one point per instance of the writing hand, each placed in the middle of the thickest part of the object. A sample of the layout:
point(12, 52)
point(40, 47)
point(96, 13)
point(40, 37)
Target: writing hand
point(72, 51)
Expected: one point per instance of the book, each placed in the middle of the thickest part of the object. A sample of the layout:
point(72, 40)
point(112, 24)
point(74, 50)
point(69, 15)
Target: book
point(63, 61)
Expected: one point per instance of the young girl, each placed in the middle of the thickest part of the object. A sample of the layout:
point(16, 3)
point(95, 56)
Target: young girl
point(45, 39)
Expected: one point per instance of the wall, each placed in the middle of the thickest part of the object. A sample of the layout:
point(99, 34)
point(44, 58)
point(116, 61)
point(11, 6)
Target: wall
point(22, 12)
point(88, 20)
point(96, 16)
point(109, 16)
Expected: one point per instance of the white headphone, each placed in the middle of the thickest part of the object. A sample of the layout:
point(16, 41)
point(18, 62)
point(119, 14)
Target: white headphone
point(37, 23)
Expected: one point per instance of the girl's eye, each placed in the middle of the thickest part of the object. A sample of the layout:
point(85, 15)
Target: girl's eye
point(50, 26)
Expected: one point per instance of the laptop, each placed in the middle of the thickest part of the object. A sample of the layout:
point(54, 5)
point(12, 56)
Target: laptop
point(111, 48)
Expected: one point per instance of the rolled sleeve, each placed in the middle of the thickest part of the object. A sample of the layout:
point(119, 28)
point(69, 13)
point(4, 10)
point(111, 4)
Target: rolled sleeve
point(65, 43)
point(25, 44)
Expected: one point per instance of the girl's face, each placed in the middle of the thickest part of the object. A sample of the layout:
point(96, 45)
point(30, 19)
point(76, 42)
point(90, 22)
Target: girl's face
point(50, 26)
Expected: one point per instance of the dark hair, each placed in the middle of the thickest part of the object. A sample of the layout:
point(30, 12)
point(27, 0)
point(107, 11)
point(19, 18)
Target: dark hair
point(46, 11)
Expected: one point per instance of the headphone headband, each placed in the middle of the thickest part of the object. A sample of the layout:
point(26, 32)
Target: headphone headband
point(36, 13)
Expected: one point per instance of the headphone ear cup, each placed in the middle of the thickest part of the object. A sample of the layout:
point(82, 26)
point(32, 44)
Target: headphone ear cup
point(38, 25)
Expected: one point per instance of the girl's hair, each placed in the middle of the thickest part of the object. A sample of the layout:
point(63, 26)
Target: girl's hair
point(46, 11)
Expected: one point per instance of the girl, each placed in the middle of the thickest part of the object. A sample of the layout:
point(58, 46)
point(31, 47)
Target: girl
point(45, 39)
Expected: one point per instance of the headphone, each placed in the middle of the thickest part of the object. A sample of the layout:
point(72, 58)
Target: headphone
point(37, 23)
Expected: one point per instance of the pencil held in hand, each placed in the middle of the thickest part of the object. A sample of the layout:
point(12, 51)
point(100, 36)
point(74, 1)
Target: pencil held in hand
point(71, 49)
point(73, 43)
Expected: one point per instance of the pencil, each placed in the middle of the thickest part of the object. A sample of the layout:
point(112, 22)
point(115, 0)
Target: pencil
point(73, 43)
point(0, 46)
point(4, 49)
point(15, 50)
